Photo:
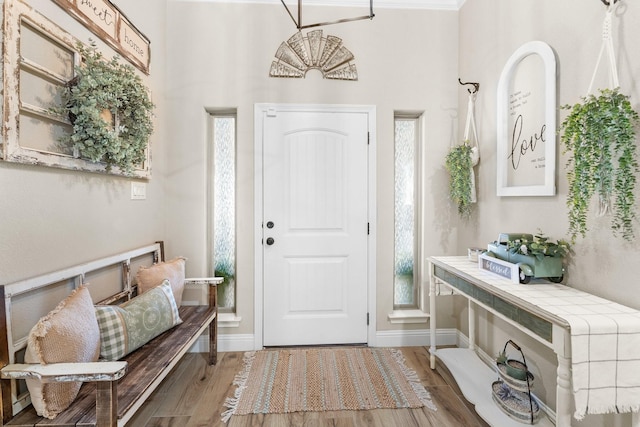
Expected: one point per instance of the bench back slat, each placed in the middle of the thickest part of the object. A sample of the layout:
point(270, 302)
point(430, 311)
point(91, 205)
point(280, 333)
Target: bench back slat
point(26, 285)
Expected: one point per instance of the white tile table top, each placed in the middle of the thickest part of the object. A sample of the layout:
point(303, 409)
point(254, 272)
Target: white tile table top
point(554, 299)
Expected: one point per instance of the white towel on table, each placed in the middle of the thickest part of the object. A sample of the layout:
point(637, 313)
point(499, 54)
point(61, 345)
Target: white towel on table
point(605, 353)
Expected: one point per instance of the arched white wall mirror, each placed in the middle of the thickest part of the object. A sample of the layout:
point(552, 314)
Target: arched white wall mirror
point(526, 151)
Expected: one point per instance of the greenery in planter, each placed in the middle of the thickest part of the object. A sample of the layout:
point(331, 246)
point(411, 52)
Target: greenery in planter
point(600, 134)
point(458, 163)
point(225, 269)
point(120, 137)
point(540, 246)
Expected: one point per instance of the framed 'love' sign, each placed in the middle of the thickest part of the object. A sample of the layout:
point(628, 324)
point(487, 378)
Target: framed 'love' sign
point(526, 132)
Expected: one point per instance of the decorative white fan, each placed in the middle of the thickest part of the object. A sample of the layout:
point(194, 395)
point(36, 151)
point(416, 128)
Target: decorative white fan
point(302, 53)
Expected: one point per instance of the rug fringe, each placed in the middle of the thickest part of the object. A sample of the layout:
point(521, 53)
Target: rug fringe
point(411, 376)
point(240, 380)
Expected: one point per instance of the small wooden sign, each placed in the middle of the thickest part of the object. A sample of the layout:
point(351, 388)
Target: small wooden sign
point(106, 21)
point(501, 268)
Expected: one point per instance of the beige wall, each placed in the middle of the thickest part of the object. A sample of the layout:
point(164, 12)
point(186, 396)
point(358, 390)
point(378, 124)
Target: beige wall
point(51, 218)
point(220, 57)
point(490, 30)
point(211, 55)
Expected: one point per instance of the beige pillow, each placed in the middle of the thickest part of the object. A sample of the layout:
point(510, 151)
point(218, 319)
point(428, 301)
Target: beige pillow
point(69, 333)
point(150, 277)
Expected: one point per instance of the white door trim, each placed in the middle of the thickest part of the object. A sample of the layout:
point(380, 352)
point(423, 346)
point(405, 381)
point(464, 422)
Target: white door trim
point(260, 111)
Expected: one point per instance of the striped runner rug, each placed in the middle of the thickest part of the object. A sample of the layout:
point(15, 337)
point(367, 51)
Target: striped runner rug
point(325, 379)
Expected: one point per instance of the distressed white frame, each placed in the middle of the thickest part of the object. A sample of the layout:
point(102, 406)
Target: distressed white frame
point(15, 13)
point(546, 188)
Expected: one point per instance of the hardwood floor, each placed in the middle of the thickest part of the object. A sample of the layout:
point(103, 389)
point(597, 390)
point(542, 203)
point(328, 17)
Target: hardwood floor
point(194, 395)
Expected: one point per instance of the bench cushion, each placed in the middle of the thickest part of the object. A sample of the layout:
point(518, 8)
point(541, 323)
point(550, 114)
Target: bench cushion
point(126, 327)
point(69, 333)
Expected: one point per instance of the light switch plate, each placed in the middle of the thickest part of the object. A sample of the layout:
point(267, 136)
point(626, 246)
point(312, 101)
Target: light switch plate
point(138, 190)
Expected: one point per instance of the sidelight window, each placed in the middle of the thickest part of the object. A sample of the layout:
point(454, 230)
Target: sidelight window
point(405, 294)
point(223, 207)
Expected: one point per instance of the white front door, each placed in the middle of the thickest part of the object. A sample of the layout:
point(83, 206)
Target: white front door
point(315, 227)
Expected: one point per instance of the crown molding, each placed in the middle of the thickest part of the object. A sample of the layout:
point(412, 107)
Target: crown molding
point(377, 4)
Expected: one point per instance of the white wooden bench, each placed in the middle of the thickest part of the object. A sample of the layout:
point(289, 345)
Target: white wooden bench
point(113, 391)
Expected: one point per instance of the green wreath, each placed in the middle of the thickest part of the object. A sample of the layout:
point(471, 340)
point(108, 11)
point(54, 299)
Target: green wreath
point(110, 110)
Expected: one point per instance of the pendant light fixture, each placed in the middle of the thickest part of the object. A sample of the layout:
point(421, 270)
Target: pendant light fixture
point(299, 25)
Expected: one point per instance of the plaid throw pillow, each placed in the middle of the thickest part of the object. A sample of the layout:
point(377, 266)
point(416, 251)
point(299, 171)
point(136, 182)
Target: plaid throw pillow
point(129, 326)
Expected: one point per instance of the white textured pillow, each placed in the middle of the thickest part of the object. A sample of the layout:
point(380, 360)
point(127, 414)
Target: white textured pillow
point(69, 333)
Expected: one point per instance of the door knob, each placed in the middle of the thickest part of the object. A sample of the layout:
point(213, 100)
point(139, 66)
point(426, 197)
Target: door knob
point(270, 241)
point(270, 224)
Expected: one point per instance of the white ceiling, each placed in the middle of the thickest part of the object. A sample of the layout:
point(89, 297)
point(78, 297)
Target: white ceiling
point(377, 4)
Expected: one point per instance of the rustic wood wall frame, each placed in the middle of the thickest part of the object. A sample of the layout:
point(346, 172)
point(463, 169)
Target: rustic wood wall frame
point(32, 78)
point(105, 20)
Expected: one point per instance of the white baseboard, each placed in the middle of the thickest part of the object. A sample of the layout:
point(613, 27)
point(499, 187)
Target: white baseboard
point(397, 338)
point(226, 342)
point(236, 342)
point(462, 340)
point(418, 337)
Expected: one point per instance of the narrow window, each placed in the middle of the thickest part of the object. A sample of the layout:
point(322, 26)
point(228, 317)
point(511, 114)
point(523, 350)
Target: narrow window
point(405, 292)
point(223, 164)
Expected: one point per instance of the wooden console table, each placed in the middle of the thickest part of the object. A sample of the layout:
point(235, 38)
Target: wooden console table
point(523, 306)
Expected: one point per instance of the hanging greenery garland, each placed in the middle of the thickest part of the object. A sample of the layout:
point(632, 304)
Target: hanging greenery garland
point(458, 162)
point(462, 158)
point(600, 135)
point(110, 110)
